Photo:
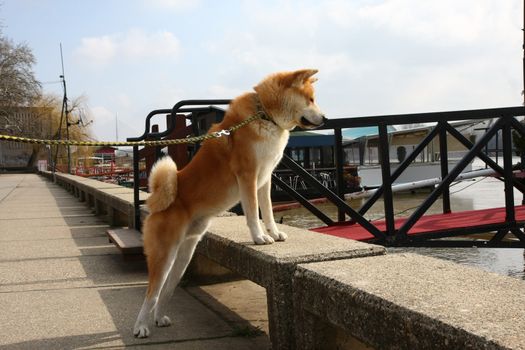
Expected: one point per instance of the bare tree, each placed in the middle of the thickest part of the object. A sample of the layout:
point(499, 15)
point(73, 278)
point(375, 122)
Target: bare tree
point(18, 85)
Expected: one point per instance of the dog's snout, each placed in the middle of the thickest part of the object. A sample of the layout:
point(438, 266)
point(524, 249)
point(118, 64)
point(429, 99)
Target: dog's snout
point(325, 119)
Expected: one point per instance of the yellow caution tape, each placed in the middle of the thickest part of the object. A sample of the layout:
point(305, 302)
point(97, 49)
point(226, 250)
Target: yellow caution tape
point(193, 139)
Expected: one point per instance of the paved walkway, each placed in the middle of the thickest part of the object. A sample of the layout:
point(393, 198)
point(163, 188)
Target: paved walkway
point(63, 286)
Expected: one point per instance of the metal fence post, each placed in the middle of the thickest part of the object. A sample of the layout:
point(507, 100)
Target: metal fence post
point(387, 182)
point(443, 158)
point(339, 170)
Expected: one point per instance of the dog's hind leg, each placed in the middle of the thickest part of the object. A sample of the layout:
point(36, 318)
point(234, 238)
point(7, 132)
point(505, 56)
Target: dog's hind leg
point(159, 266)
point(161, 245)
point(181, 263)
point(186, 250)
point(265, 203)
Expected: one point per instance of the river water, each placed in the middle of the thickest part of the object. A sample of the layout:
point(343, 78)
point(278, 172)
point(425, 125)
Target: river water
point(479, 193)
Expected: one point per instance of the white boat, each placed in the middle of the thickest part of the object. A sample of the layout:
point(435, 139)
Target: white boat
point(371, 174)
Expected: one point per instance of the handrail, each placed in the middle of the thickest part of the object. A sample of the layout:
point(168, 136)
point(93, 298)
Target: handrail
point(177, 108)
point(448, 180)
point(418, 118)
point(398, 236)
point(339, 202)
point(392, 236)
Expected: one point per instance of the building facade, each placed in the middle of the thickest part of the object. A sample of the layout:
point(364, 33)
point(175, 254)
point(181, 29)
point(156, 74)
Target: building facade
point(28, 122)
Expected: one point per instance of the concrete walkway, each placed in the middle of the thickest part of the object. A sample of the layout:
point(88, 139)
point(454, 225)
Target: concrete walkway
point(63, 286)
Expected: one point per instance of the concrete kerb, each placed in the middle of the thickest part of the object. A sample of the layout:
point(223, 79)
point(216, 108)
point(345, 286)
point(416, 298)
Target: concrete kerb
point(229, 244)
point(406, 301)
point(113, 200)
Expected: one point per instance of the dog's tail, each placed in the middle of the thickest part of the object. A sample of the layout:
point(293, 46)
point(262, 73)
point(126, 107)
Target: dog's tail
point(162, 184)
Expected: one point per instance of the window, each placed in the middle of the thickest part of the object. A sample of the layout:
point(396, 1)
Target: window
point(327, 157)
point(315, 157)
point(298, 155)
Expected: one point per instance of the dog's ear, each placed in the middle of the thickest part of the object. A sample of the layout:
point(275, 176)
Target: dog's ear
point(298, 78)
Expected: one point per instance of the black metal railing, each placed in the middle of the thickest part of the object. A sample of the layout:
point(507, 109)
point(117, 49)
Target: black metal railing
point(505, 122)
point(193, 106)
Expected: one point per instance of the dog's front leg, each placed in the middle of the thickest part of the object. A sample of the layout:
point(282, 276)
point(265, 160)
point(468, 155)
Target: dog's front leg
point(248, 192)
point(265, 203)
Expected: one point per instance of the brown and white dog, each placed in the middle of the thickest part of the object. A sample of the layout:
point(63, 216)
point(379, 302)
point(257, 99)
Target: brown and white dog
point(224, 171)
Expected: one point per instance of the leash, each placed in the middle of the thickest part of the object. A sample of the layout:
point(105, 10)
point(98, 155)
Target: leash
point(260, 114)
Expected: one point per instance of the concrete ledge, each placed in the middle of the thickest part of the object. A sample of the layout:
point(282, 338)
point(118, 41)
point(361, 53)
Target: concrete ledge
point(326, 292)
point(228, 242)
point(112, 200)
point(405, 301)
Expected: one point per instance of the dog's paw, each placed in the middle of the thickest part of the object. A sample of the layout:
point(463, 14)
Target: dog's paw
point(141, 331)
point(263, 239)
point(278, 235)
point(164, 321)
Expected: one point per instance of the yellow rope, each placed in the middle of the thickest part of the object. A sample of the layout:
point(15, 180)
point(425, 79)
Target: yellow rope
point(193, 139)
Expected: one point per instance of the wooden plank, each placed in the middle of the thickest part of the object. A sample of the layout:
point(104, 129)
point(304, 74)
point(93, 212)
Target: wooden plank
point(129, 241)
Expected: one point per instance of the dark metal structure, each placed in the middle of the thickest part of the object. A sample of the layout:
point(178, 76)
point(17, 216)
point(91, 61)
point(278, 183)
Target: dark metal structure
point(189, 107)
point(505, 122)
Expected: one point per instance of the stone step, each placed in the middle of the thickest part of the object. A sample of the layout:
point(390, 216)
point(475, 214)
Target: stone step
point(129, 241)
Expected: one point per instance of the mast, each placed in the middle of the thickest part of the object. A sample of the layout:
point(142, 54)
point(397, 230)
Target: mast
point(65, 111)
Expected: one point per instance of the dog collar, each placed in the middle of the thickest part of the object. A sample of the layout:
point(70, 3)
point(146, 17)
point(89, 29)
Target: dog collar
point(259, 110)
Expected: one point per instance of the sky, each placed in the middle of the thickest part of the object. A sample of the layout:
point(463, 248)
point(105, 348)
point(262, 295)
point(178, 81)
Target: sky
point(375, 57)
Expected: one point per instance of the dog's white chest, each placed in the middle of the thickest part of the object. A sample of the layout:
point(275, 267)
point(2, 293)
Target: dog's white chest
point(269, 153)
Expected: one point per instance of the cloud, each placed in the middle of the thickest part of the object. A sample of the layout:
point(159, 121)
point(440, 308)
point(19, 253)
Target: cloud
point(167, 95)
point(134, 45)
point(221, 91)
point(98, 51)
point(175, 5)
point(105, 124)
point(388, 56)
point(101, 114)
point(374, 56)
point(444, 22)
